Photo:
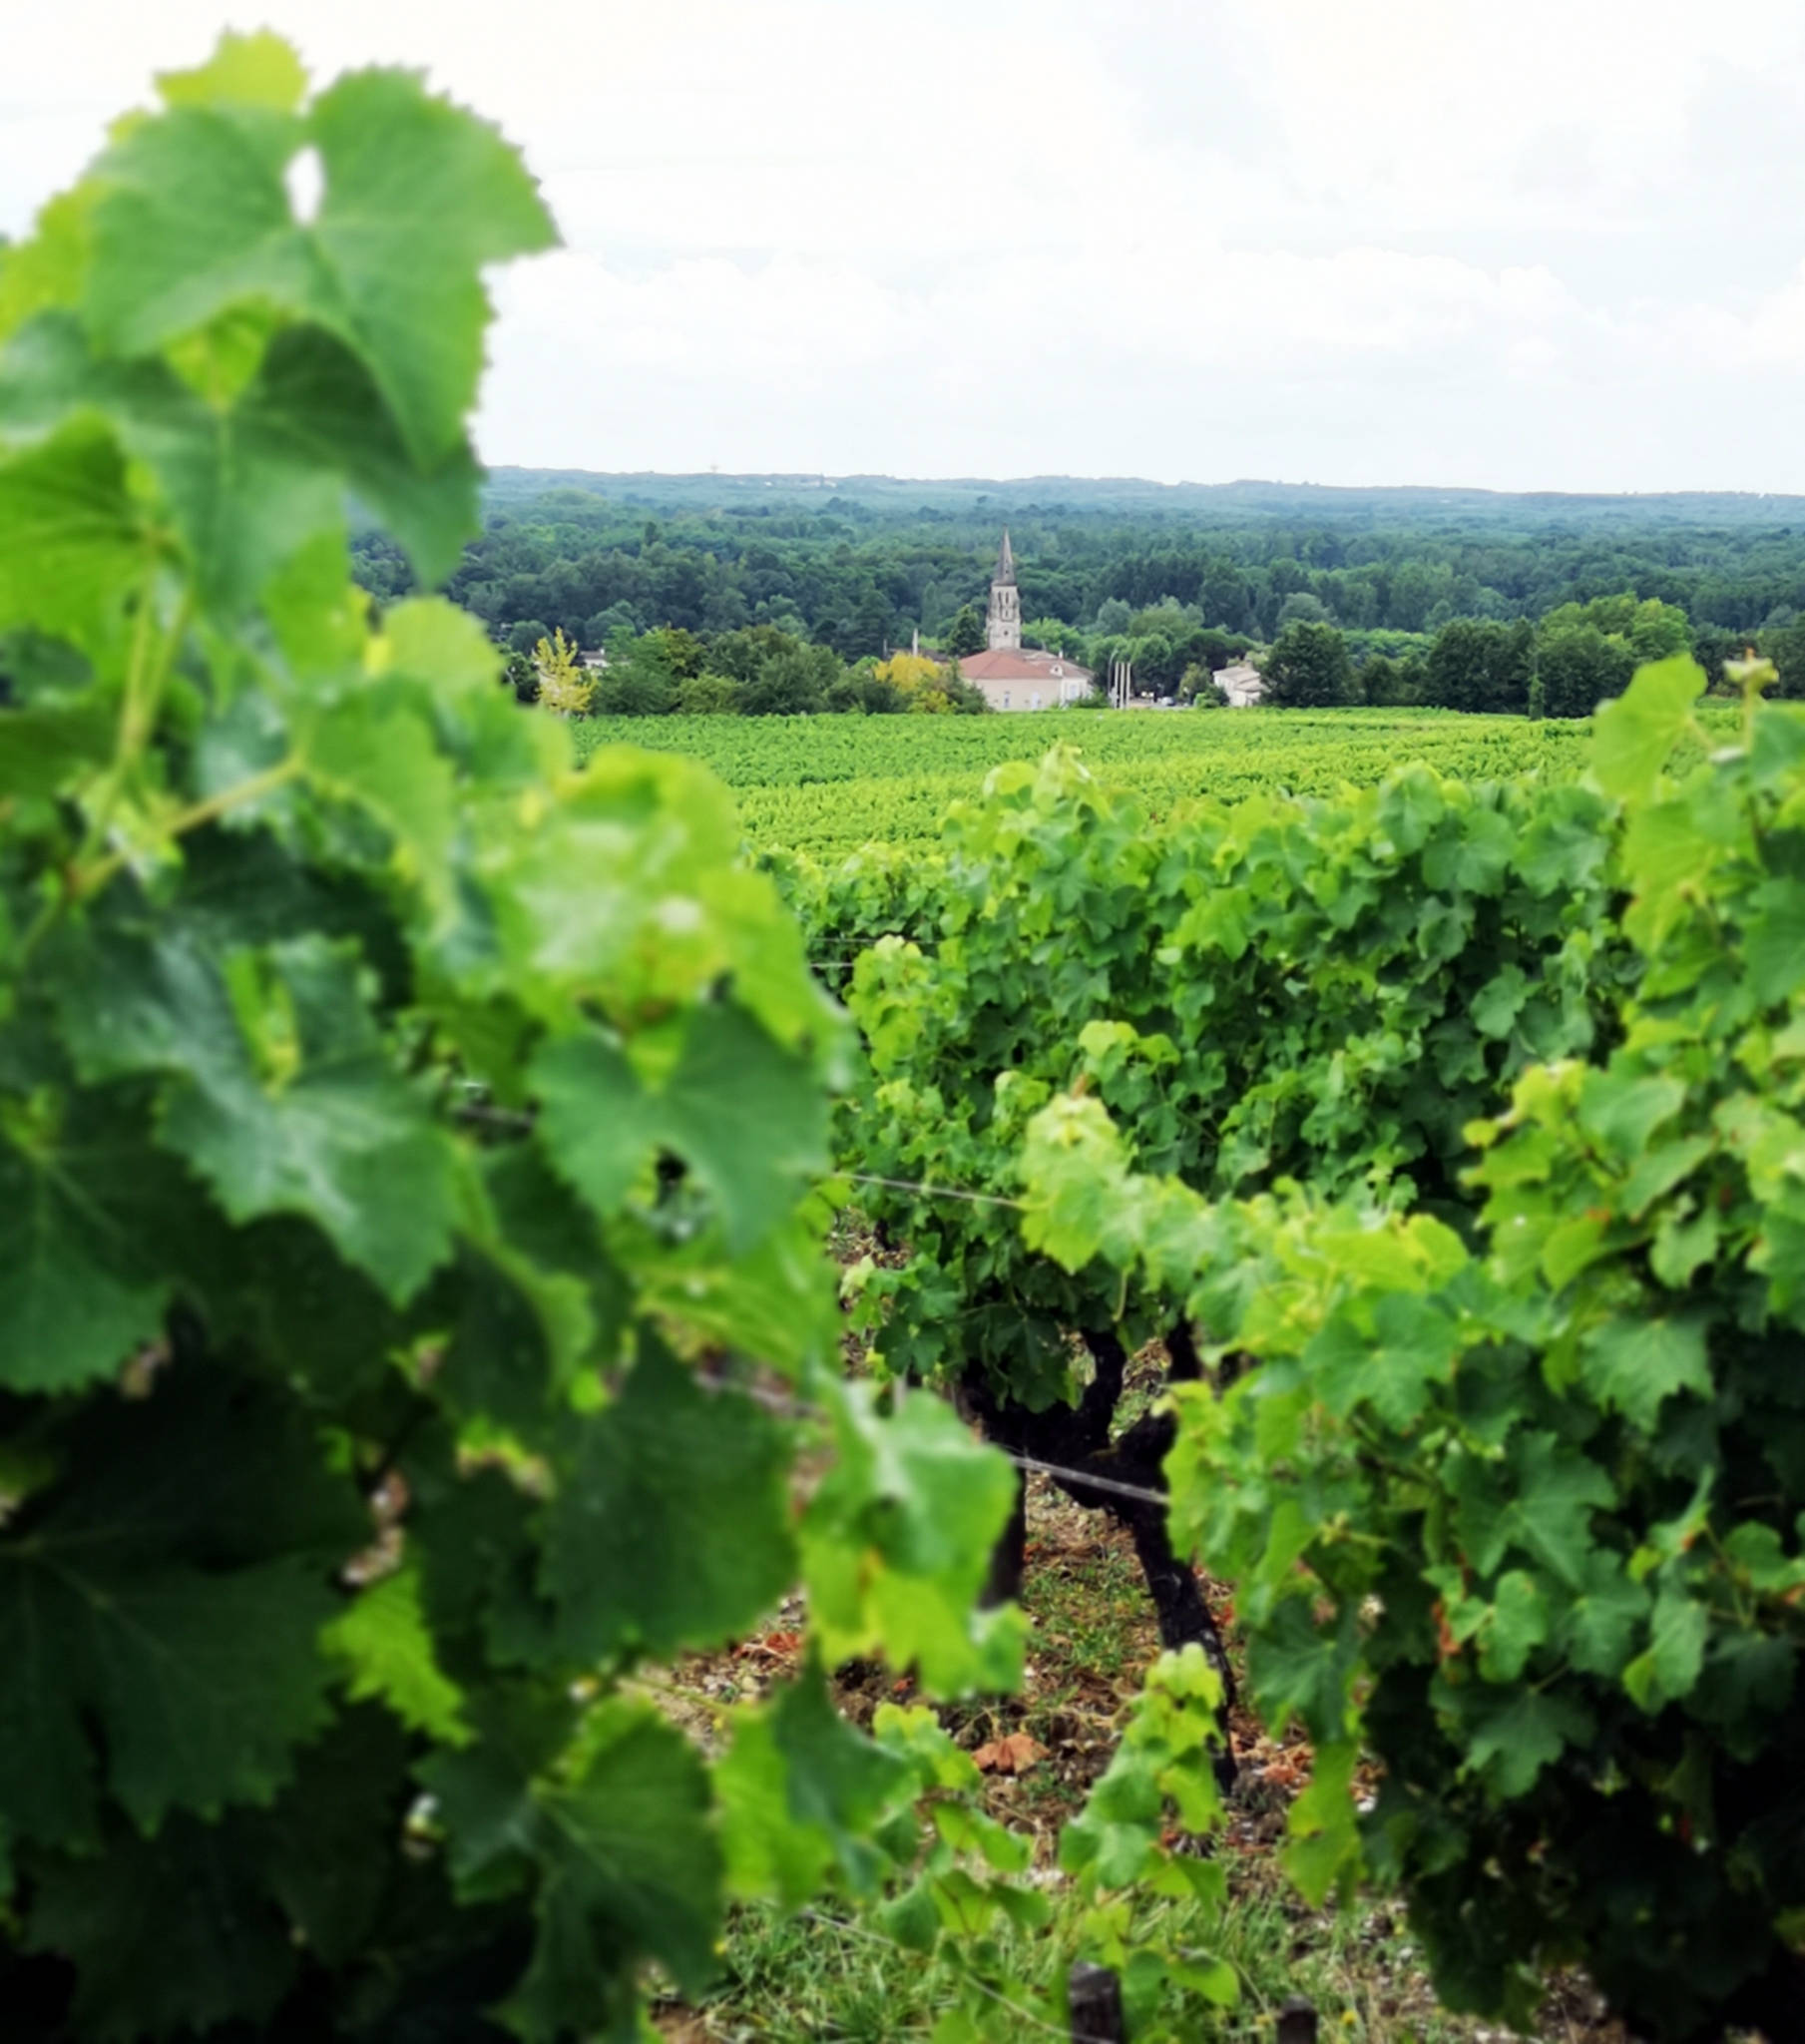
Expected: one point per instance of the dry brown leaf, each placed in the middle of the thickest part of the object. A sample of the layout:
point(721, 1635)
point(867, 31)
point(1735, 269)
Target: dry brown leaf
point(1014, 1754)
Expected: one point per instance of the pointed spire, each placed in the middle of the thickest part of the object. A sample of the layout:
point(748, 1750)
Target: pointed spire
point(1006, 562)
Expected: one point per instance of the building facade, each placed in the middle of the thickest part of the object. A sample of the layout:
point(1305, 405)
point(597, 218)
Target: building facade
point(1241, 685)
point(1012, 676)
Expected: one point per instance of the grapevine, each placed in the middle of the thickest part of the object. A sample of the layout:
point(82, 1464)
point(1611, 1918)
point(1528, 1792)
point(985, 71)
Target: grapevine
point(407, 1150)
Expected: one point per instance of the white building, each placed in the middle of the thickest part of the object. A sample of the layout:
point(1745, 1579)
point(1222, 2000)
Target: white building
point(1241, 685)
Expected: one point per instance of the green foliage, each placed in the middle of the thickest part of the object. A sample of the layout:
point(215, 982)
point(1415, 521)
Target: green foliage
point(1309, 668)
point(1279, 988)
point(406, 1146)
point(965, 634)
point(827, 785)
point(1576, 668)
point(1516, 1502)
point(1480, 665)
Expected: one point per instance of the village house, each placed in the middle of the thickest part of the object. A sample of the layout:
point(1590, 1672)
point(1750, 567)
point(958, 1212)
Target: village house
point(1241, 685)
point(1012, 676)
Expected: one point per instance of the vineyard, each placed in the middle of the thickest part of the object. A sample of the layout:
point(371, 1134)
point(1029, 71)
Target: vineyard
point(596, 1420)
point(829, 784)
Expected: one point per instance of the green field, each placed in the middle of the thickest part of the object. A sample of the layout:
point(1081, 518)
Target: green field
point(823, 784)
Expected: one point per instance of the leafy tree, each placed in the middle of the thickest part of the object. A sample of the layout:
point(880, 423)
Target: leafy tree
point(521, 676)
point(1576, 668)
point(564, 687)
point(965, 634)
point(1658, 631)
point(635, 687)
point(707, 695)
point(1112, 620)
point(1478, 665)
point(911, 673)
point(603, 627)
point(1155, 668)
point(1784, 646)
point(1054, 636)
point(1309, 668)
point(1303, 608)
point(1381, 683)
point(676, 653)
point(792, 683)
point(526, 636)
point(1197, 687)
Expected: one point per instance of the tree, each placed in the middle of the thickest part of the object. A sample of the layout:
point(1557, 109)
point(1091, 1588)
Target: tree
point(1379, 683)
point(1577, 668)
point(1155, 670)
point(525, 636)
point(1303, 607)
point(1112, 620)
point(1197, 687)
point(967, 634)
point(635, 687)
point(793, 684)
point(520, 675)
point(1784, 646)
point(1477, 664)
point(910, 673)
point(1309, 668)
point(1054, 635)
point(563, 686)
point(707, 695)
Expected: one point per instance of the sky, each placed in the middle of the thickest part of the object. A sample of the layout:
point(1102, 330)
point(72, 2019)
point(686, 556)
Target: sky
point(1555, 245)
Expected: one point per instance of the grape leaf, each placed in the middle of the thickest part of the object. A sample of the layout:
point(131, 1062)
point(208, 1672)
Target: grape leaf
point(170, 1592)
point(77, 1292)
point(167, 1936)
point(1668, 1667)
point(1632, 1366)
point(802, 1792)
point(195, 217)
point(288, 1101)
point(628, 1858)
point(896, 1543)
point(249, 483)
point(673, 1528)
point(419, 194)
point(75, 542)
point(749, 1116)
point(1514, 1733)
point(1635, 734)
point(383, 1639)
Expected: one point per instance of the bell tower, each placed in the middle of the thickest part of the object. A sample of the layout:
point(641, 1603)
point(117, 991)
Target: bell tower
point(1005, 624)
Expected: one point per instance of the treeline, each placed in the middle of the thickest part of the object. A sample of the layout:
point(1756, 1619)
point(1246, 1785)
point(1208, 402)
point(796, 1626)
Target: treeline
point(1563, 664)
point(755, 671)
point(861, 580)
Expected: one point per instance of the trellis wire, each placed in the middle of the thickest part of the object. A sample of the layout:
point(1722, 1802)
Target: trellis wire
point(796, 1408)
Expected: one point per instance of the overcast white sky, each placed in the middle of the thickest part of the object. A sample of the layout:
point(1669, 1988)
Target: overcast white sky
point(1550, 245)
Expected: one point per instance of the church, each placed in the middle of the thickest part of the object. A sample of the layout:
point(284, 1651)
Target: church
point(1009, 675)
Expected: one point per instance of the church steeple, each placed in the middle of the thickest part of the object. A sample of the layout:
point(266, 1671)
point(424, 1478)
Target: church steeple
point(1005, 621)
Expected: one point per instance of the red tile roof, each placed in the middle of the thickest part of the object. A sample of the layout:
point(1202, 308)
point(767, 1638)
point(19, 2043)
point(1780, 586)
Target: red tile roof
point(1025, 665)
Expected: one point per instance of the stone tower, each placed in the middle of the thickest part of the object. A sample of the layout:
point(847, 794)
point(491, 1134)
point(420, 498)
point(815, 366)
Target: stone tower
point(1005, 602)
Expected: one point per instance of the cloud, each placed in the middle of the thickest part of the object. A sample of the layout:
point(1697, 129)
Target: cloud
point(1421, 243)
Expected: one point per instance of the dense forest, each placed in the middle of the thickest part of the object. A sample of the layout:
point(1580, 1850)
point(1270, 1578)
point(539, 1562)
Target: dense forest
point(790, 588)
point(860, 569)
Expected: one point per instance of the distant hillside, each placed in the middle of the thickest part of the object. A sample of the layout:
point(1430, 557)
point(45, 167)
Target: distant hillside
point(1196, 504)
